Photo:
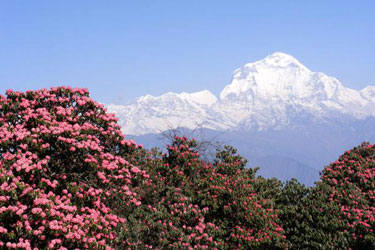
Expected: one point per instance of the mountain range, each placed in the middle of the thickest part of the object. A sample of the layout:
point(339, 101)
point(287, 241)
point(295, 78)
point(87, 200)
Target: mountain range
point(279, 114)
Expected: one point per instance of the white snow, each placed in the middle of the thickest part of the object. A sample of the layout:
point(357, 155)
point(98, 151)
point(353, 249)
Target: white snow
point(204, 97)
point(267, 94)
point(369, 93)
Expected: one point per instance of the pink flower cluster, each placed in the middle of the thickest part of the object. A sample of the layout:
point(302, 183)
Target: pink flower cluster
point(62, 177)
point(352, 182)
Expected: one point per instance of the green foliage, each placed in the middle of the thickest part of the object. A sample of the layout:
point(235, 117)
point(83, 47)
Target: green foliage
point(195, 204)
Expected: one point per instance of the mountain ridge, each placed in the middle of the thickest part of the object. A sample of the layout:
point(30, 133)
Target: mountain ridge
point(271, 93)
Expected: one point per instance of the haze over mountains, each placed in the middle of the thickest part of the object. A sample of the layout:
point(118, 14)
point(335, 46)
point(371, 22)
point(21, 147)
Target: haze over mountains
point(279, 114)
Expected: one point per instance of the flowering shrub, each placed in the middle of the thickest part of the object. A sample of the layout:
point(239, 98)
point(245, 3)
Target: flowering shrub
point(168, 218)
point(352, 185)
point(62, 176)
point(339, 212)
point(310, 221)
point(246, 219)
point(196, 205)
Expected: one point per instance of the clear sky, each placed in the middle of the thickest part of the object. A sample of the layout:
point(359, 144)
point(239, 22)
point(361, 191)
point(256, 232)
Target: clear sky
point(124, 49)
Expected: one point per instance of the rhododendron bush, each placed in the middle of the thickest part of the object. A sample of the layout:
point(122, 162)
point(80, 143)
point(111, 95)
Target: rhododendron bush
point(352, 185)
point(70, 180)
point(339, 212)
point(61, 171)
point(196, 205)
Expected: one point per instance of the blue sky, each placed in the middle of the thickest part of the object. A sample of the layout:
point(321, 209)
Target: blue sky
point(124, 49)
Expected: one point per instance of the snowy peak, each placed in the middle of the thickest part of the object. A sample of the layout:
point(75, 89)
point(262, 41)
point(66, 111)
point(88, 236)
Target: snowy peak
point(278, 60)
point(154, 114)
point(369, 93)
point(273, 93)
point(279, 76)
point(204, 97)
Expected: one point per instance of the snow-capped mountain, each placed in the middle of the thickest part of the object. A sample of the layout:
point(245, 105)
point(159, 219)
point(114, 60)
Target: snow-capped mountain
point(280, 115)
point(149, 114)
point(274, 93)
